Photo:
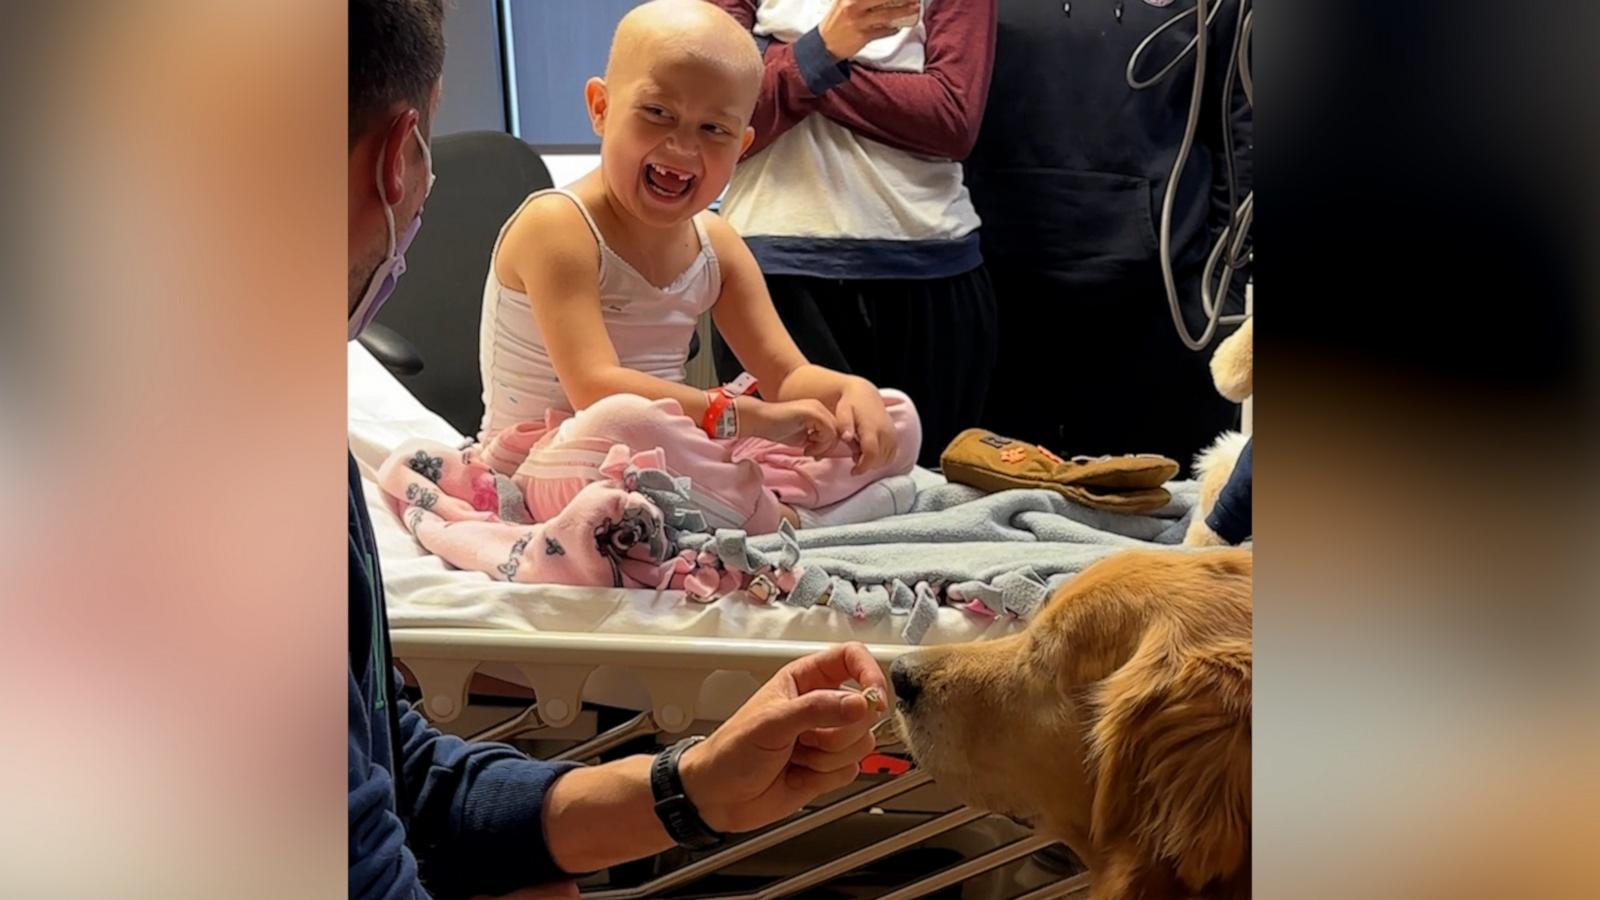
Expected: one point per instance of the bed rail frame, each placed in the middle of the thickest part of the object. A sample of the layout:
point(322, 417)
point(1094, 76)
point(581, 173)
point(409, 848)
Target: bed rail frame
point(673, 671)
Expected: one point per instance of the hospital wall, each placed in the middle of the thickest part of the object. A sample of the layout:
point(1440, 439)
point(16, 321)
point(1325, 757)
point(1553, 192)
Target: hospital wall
point(474, 89)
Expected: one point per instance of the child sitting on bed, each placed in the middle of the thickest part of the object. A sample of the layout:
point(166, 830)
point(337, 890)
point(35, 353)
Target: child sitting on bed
point(593, 294)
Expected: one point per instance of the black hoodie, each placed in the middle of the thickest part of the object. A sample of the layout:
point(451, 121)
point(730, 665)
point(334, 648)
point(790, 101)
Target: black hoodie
point(1068, 176)
point(1071, 163)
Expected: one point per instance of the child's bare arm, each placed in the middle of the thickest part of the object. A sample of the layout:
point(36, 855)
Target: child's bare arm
point(550, 254)
point(745, 316)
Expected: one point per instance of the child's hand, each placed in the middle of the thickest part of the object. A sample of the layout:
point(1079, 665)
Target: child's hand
point(864, 425)
point(801, 423)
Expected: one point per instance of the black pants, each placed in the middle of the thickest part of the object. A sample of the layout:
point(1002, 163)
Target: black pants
point(935, 339)
point(1098, 368)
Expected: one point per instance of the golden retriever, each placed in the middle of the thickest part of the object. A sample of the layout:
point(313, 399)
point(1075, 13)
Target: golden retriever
point(1118, 722)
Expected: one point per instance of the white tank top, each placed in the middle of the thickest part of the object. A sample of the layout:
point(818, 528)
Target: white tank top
point(649, 326)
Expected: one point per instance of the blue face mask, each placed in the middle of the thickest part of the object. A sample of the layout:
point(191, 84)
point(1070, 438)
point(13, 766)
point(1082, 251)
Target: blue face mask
point(388, 273)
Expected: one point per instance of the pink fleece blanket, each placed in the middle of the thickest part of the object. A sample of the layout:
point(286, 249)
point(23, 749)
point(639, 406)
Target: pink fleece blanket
point(606, 537)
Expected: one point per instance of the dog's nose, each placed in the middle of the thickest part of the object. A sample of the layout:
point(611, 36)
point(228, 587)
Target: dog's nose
point(906, 687)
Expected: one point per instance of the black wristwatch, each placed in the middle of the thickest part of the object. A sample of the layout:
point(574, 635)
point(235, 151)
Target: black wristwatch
point(673, 807)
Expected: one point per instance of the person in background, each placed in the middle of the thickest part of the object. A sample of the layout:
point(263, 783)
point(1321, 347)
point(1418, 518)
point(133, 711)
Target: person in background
point(432, 814)
point(1068, 174)
point(851, 195)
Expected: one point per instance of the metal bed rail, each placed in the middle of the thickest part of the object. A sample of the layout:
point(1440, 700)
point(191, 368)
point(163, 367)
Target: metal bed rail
point(673, 669)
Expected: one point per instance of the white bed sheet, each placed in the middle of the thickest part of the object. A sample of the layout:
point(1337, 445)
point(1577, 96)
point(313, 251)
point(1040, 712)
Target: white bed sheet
point(424, 592)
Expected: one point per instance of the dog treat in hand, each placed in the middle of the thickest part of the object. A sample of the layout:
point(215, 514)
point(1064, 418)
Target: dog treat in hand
point(873, 695)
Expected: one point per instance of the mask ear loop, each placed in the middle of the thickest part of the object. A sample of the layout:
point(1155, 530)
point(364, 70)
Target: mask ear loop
point(427, 159)
point(383, 194)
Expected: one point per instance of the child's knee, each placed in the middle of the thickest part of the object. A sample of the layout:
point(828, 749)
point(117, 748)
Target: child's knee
point(900, 407)
point(505, 450)
point(615, 406)
point(907, 425)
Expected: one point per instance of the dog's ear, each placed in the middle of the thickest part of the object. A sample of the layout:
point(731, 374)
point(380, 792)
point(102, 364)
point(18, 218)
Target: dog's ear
point(1170, 758)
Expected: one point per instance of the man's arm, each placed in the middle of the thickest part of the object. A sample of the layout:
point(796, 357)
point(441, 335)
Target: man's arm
point(476, 810)
point(796, 739)
point(482, 839)
point(487, 820)
point(381, 865)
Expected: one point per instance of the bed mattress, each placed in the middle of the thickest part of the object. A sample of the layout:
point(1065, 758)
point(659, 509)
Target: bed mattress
point(424, 592)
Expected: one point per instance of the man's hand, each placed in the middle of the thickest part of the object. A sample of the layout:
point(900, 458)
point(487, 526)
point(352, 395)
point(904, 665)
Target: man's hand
point(800, 423)
point(852, 24)
point(799, 737)
point(864, 424)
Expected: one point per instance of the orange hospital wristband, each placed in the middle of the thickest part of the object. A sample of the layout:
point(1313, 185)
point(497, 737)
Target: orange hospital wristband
point(721, 421)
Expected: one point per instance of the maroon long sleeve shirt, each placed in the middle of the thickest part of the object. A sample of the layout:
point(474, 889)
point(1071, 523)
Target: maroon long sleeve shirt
point(934, 113)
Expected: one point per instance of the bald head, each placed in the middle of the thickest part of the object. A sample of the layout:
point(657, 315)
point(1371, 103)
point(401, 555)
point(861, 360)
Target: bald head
point(666, 32)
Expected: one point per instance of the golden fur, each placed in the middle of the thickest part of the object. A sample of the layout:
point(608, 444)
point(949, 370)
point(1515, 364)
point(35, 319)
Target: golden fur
point(1212, 468)
point(1232, 371)
point(1233, 365)
point(1118, 722)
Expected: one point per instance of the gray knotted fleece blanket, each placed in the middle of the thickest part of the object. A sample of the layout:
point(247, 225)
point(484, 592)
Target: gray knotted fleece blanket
point(995, 554)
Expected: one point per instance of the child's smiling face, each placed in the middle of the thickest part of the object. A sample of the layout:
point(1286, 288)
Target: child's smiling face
point(674, 109)
point(671, 136)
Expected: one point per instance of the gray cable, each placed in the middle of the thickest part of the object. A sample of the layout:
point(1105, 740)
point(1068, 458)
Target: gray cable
point(1225, 107)
point(1238, 228)
point(1133, 61)
point(1167, 278)
point(1244, 58)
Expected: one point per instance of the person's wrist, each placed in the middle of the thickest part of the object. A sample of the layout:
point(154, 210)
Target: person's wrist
point(746, 416)
point(721, 419)
point(831, 42)
point(694, 770)
point(856, 388)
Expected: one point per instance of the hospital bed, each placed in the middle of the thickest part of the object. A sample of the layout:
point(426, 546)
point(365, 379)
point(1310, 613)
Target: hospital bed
point(672, 666)
point(594, 672)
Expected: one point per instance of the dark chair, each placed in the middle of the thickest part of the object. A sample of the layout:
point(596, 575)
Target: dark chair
point(427, 332)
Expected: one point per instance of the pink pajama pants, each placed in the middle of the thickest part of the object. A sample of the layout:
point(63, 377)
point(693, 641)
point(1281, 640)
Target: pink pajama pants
point(736, 483)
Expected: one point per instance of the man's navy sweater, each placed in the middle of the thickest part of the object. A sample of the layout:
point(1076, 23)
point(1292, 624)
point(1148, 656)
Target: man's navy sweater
point(427, 808)
point(1231, 517)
